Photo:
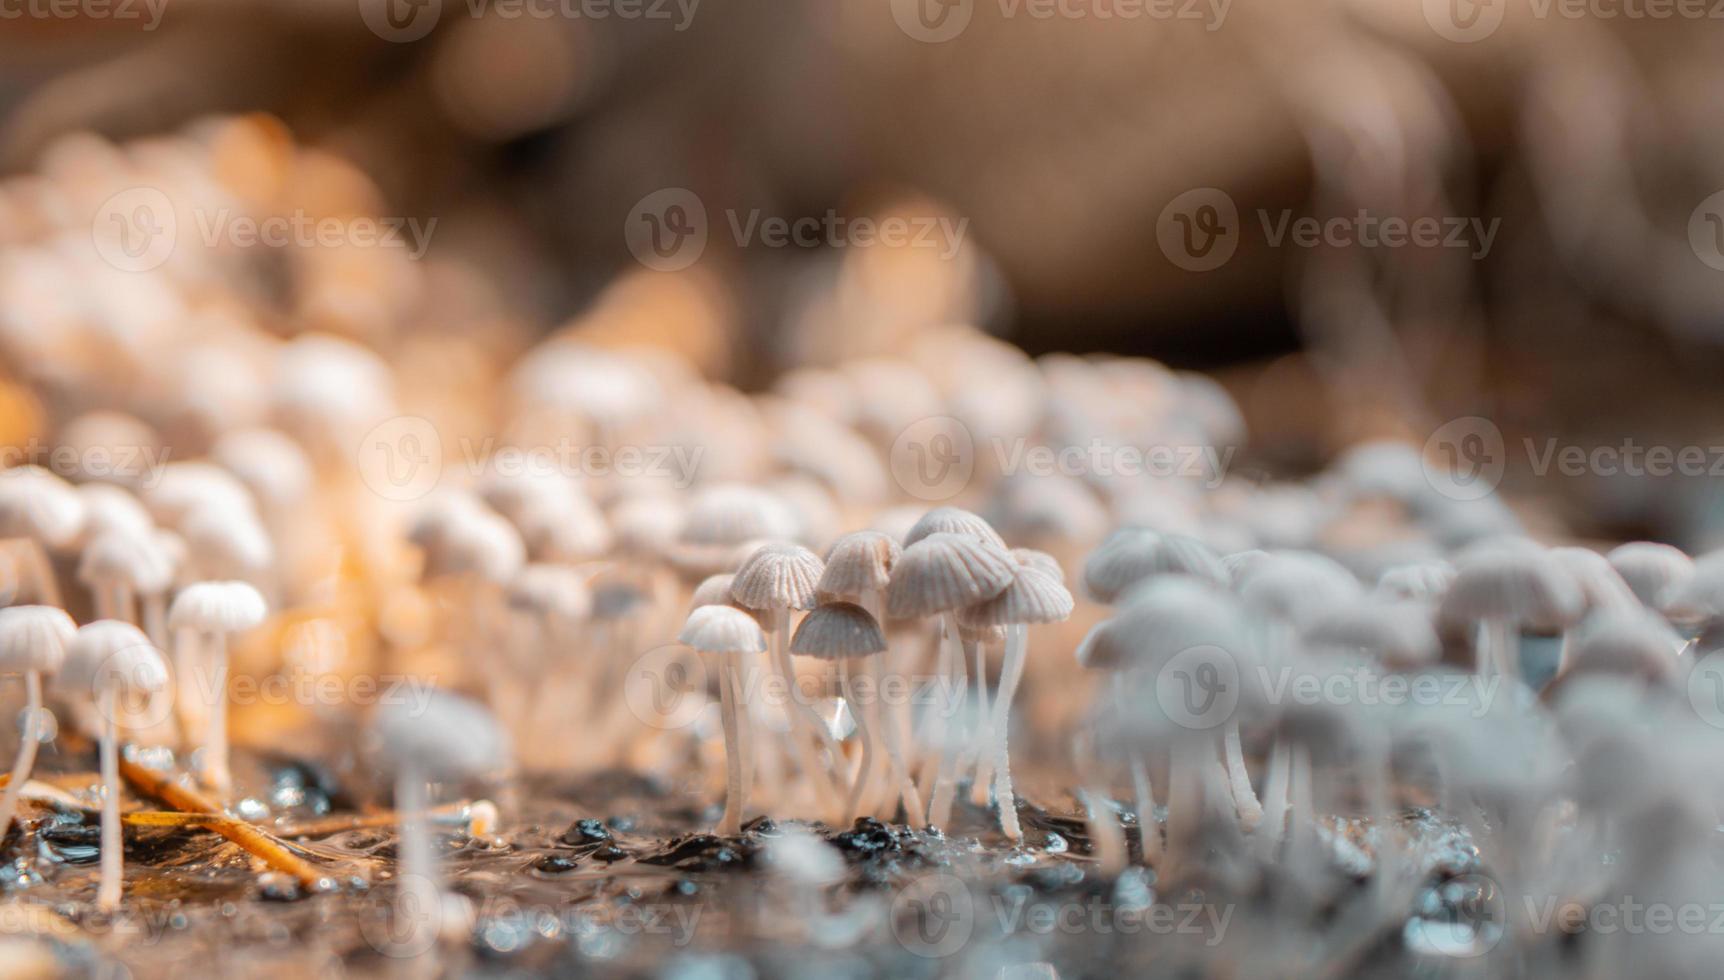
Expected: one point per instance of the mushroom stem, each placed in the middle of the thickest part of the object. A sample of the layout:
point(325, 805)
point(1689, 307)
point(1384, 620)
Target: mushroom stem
point(214, 770)
point(893, 732)
point(1105, 834)
point(1149, 833)
point(418, 863)
point(1302, 808)
point(156, 618)
point(108, 892)
point(190, 700)
point(807, 730)
point(1275, 790)
point(26, 750)
point(735, 794)
point(864, 733)
point(996, 761)
point(1184, 800)
point(946, 779)
point(1245, 800)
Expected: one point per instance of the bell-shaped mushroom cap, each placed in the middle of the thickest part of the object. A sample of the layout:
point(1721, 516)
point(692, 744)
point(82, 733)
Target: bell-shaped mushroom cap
point(1383, 468)
point(1041, 561)
point(1600, 586)
point(646, 525)
point(714, 590)
point(778, 576)
point(1239, 564)
point(1398, 632)
point(732, 513)
point(571, 529)
point(136, 561)
point(34, 503)
point(1702, 596)
point(269, 462)
point(475, 541)
point(1513, 580)
point(722, 629)
point(183, 489)
point(108, 507)
point(1655, 572)
point(953, 520)
point(1630, 643)
point(1033, 597)
point(859, 563)
point(1050, 508)
point(217, 607)
point(1132, 554)
point(1421, 581)
point(227, 543)
point(110, 654)
point(837, 631)
point(942, 572)
point(1165, 617)
point(555, 592)
point(443, 737)
point(1295, 586)
point(34, 638)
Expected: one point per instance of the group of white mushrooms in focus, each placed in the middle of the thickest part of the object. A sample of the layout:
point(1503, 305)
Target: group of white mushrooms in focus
point(886, 616)
point(111, 671)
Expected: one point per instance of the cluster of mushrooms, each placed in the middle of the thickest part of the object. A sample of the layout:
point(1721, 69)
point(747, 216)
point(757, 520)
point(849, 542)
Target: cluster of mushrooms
point(200, 488)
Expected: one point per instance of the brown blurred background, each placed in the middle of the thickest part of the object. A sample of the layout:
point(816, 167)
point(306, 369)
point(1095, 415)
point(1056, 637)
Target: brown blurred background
point(1061, 140)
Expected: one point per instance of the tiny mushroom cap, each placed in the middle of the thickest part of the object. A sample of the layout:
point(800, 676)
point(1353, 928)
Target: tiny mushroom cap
point(1600, 586)
point(227, 543)
point(183, 489)
point(1384, 468)
point(858, 564)
point(476, 541)
point(1041, 561)
point(1033, 597)
point(109, 507)
point(1512, 580)
point(646, 525)
point(1629, 643)
point(731, 513)
point(714, 590)
point(1424, 581)
point(1655, 572)
point(445, 737)
point(35, 503)
point(722, 629)
point(1164, 618)
point(1295, 586)
point(944, 572)
point(778, 576)
point(838, 631)
point(34, 638)
point(1132, 554)
point(269, 462)
point(110, 654)
point(616, 598)
point(556, 592)
point(1397, 631)
point(137, 561)
point(217, 607)
point(953, 520)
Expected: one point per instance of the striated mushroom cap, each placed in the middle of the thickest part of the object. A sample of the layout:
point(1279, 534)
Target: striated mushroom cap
point(722, 629)
point(858, 564)
point(34, 638)
point(778, 576)
point(953, 520)
point(108, 654)
point(217, 607)
point(838, 631)
point(945, 571)
point(1033, 597)
point(1133, 554)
